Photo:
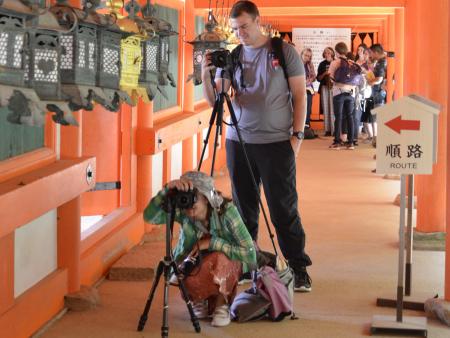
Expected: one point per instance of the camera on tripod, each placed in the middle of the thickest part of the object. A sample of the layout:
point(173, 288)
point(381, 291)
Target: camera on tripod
point(182, 199)
point(221, 58)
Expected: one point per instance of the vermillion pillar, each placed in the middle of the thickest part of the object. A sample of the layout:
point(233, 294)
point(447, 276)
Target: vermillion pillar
point(447, 250)
point(144, 162)
point(69, 214)
point(399, 51)
point(432, 83)
point(390, 46)
point(188, 92)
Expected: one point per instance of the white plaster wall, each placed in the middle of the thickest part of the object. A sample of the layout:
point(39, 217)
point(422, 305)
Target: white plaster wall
point(176, 161)
point(157, 173)
point(35, 251)
point(194, 151)
point(58, 141)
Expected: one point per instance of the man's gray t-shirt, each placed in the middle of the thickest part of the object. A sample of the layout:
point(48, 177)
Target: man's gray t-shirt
point(262, 108)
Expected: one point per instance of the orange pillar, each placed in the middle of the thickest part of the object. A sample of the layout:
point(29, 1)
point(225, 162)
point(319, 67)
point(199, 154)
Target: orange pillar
point(385, 32)
point(390, 46)
point(432, 83)
point(188, 93)
point(144, 162)
point(6, 272)
point(69, 214)
point(167, 165)
point(399, 51)
point(447, 247)
point(69, 237)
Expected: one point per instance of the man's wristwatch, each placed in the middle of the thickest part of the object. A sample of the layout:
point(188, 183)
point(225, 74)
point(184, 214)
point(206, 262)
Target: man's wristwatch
point(299, 134)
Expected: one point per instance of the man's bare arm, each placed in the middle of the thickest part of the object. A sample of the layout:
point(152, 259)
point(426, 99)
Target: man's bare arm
point(298, 90)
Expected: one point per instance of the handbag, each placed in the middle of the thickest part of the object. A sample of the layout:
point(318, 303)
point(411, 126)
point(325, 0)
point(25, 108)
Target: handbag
point(249, 305)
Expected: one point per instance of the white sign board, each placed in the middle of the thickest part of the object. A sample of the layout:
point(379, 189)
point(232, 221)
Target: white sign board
point(318, 39)
point(407, 136)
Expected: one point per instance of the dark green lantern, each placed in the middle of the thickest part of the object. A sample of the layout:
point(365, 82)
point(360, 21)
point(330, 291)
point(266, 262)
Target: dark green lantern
point(78, 54)
point(209, 40)
point(163, 31)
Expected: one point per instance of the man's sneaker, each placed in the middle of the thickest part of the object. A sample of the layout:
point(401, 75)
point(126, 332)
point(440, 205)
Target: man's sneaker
point(200, 309)
point(245, 278)
point(335, 146)
point(221, 316)
point(349, 146)
point(302, 281)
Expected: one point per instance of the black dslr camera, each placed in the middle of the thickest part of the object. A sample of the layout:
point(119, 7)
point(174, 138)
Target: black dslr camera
point(221, 58)
point(182, 199)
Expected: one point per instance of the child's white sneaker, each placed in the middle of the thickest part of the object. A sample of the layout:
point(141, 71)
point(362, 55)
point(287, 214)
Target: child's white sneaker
point(221, 316)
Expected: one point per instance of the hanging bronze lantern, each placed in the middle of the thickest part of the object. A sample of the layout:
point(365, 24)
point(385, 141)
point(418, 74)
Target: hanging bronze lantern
point(163, 32)
point(20, 101)
point(131, 52)
point(109, 36)
point(209, 40)
point(43, 56)
point(78, 54)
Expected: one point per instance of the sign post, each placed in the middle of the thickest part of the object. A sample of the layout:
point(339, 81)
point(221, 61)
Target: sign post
point(406, 145)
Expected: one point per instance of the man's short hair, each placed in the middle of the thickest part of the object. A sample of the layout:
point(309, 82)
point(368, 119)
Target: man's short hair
point(341, 48)
point(242, 7)
point(377, 48)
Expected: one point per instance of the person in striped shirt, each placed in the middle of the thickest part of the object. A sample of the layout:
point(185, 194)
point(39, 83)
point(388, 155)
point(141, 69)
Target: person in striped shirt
point(211, 232)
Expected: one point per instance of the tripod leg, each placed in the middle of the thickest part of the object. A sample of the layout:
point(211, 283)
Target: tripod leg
point(216, 139)
point(144, 315)
point(211, 122)
point(165, 325)
point(255, 185)
point(188, 302)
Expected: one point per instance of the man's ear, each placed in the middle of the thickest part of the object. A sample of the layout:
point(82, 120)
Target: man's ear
point(258, 20)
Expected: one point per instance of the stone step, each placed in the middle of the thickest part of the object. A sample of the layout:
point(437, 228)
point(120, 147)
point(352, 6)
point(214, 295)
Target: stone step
point(139, 263)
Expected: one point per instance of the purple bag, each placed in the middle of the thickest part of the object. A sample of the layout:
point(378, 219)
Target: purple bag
point(348, 73)
point(273, 289)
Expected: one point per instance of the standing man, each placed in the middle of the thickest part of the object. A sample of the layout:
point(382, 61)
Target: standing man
point(378, 83)
point(272, 132)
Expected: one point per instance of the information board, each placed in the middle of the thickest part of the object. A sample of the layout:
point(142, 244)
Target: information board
point(318, 39)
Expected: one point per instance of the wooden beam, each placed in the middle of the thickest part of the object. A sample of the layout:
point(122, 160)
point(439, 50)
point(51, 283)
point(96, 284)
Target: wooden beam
point(42, 190)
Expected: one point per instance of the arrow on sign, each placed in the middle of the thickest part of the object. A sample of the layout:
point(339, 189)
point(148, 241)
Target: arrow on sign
point(397, 124)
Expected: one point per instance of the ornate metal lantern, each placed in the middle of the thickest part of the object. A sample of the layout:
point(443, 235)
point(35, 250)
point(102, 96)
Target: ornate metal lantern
point(164, 31)
point(20, 101)
point(131, 52)
point(209, 40)
point(109, 37)
point(43, 56)
point(39, 89)
point(79, 54)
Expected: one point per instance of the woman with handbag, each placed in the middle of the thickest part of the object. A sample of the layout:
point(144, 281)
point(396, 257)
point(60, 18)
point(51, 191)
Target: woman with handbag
point(214, 243)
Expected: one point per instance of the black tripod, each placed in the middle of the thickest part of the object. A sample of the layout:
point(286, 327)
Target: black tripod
point(217, 117)
point(164, 266)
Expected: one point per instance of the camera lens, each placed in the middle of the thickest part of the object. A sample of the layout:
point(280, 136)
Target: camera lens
point(186, 199)
point(221, 58)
